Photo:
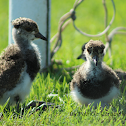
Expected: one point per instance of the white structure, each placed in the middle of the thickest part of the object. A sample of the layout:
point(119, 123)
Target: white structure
point(39, 11)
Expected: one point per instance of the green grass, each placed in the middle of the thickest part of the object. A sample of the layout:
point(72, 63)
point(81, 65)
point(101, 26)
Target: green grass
point(90, 18)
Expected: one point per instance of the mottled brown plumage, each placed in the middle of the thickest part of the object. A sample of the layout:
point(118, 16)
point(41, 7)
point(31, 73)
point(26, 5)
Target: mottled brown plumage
point(11, 65)
point(94, 81)
point(20, 62)
point(121, 74)
point(94, 44)
point(25, 23)
point(98, 87)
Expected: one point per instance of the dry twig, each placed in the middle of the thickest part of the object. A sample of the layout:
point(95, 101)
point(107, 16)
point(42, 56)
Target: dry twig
point(101, 33)
point(71, 15)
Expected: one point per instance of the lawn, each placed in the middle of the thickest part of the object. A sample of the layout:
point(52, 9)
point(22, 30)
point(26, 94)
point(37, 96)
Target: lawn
point(90, 18)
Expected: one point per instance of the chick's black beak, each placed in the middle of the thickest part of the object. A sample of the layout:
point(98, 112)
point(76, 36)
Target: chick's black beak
point(39, 35)
point(79, 57)
point(95, 59)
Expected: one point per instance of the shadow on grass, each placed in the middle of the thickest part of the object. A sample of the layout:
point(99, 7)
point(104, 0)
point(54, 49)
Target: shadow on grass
point(59, 72)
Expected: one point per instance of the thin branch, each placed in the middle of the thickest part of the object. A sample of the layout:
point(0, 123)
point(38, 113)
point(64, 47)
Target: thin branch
point(106, 18)
point(63, 27)
point(114, 31)
point(59, 40)
point(71, 14)
point(77, 3)
point(103, 32)
point(65, 17)
point(120, 32)
point(62, 19)
point(110, 37)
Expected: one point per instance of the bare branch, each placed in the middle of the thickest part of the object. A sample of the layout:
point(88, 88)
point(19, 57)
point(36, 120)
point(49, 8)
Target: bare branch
point(63, 27)
point(77, 3)
point(103, 32)
point(106, 18)
point(71, 14)
point(59, 40)
point(120, 32)
point(114, 31)
point(110, 37)
point(106, 47)
point(65, 17)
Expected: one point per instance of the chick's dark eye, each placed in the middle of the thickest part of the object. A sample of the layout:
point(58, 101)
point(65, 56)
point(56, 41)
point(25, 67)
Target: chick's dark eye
point(16, 26)
point(89, 50)
point(101, 51)
point(28, 29)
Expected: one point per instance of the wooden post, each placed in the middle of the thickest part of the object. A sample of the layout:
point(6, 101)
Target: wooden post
point(39, 11)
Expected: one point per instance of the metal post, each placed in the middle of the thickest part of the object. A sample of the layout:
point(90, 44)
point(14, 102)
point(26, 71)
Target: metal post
point(39, 11)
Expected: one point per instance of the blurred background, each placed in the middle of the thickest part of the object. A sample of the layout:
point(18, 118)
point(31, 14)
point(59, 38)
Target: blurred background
point(90, 19)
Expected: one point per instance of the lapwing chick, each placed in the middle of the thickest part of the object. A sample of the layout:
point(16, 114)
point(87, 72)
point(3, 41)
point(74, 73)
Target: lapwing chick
point(20, 62)
point(120, 73)
point(82, 55)
point(94, 81)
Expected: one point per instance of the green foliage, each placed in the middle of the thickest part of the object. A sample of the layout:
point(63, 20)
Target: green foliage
point(90, 18)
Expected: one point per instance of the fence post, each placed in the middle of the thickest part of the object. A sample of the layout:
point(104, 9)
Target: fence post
point(39, 11)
